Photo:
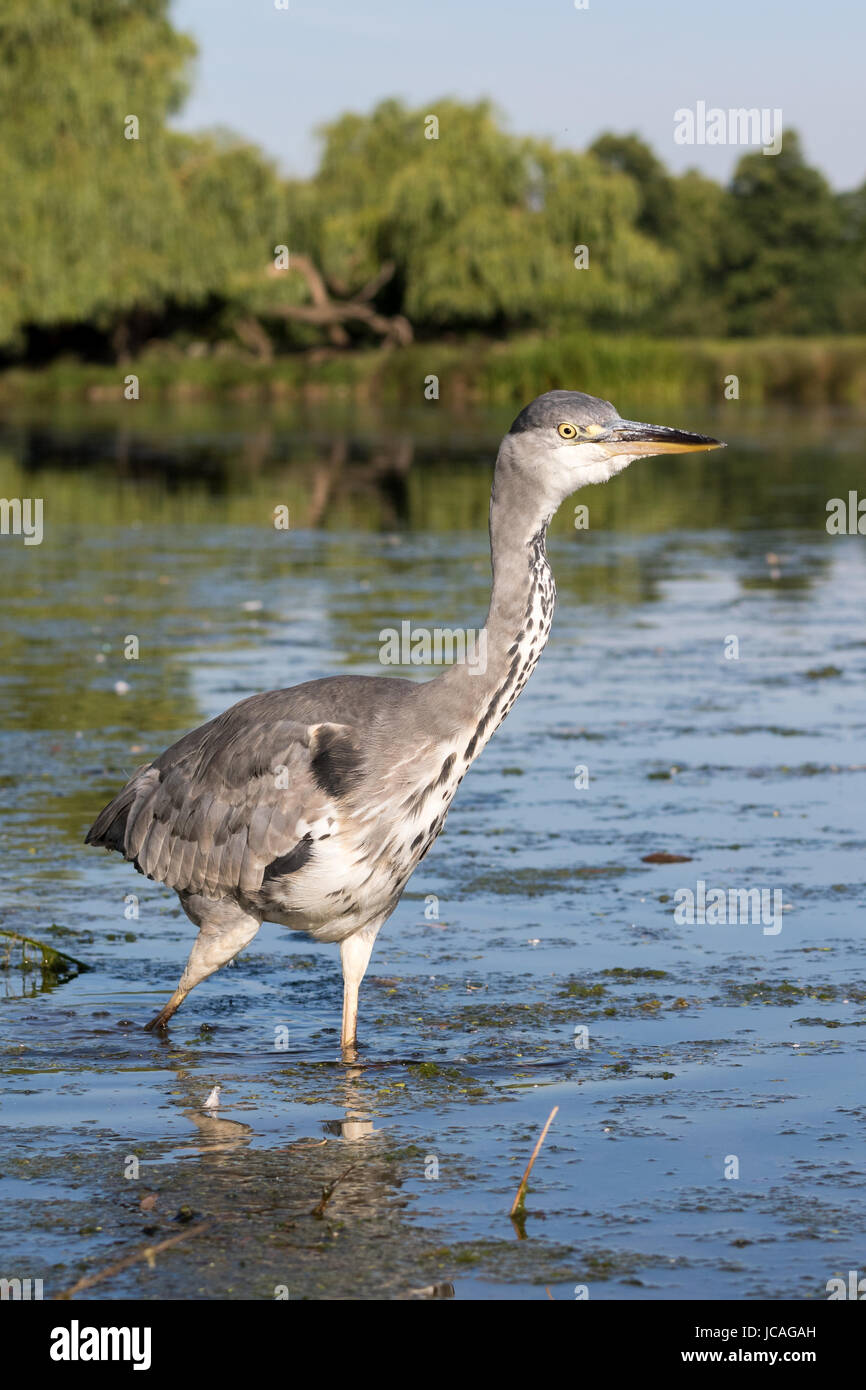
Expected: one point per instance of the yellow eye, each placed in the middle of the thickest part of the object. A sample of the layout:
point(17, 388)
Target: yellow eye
point(567, 431)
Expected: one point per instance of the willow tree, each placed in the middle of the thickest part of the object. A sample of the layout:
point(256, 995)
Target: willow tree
point(482, 227)
point(106, 213)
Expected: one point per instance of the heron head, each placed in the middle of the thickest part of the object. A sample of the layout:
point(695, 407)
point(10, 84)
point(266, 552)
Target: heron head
point(565, 439)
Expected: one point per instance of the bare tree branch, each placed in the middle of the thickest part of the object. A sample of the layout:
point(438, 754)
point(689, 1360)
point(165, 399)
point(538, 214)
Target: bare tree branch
point(331, 314)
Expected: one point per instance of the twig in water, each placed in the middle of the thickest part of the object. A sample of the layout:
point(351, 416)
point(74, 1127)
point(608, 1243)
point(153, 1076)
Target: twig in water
point(145, 1252)
point(328, 1192)
point(519, 1200)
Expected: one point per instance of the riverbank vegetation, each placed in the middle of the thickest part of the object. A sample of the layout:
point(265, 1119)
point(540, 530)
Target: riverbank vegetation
point(429, 242)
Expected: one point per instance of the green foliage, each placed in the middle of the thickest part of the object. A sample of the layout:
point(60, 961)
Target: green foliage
point(619, 367)
point(785, 250)
point(656, 189)
point(168, 236)
point(94, 225)
point(481, 225)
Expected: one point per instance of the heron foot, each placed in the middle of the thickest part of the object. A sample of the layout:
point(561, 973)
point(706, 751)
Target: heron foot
point(160, 1023)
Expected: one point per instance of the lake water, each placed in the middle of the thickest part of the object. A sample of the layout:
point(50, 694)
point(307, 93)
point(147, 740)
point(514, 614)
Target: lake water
point(709, 1137)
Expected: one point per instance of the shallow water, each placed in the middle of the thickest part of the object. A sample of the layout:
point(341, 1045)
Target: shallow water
point(534, 915)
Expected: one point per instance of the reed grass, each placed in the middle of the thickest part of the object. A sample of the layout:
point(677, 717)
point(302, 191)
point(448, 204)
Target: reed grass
point(804, 370)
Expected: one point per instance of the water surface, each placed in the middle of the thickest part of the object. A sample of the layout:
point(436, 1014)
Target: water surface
point(534, 915)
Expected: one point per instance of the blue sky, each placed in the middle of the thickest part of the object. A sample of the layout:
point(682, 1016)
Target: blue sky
point(553, 70)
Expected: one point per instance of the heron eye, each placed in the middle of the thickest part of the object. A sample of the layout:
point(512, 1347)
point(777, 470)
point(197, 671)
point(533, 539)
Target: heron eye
point(567, 431)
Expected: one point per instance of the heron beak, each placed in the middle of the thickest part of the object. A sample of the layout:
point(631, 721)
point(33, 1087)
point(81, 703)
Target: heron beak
point(630, 437)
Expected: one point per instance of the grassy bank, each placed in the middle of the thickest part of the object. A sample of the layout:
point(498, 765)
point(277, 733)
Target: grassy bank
point(804, 370)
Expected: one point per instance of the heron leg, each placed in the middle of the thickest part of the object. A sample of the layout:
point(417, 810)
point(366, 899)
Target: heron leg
point(224, 929)
point(355, 954)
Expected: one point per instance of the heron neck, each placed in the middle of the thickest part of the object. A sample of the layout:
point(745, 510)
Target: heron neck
point(521, 576)
point(477, 697)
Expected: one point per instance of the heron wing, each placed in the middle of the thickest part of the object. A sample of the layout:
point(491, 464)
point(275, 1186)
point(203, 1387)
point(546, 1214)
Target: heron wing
point(230, 801)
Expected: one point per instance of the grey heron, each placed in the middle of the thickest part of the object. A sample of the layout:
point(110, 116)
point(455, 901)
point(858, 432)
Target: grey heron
point(311, 807)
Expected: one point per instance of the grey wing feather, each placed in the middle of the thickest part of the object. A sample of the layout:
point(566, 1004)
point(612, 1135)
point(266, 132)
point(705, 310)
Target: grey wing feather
point(212, 812)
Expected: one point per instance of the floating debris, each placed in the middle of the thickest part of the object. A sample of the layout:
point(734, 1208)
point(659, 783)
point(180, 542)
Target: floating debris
point(822, 673)
point(661, 857)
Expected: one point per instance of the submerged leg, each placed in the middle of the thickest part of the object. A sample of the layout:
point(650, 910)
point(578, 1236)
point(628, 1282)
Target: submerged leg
point(355, 954)
point(224, 929)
